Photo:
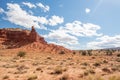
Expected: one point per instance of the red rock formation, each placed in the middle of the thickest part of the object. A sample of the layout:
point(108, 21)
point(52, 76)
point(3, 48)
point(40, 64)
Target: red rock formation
point(34, 37)
point(18, 38)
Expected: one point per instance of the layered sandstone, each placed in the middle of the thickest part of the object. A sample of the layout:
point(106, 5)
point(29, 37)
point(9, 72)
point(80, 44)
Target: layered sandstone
point(12, 38)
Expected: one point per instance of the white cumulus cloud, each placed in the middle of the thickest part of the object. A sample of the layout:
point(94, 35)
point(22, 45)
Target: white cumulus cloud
point(56, 20)
point(18, 16)
point(60, 37)
point(78, 28)
point(44, 7)
point(30, 5)
point(105, 42)
point(1, 10)
point(68, 35)
point(87, 10)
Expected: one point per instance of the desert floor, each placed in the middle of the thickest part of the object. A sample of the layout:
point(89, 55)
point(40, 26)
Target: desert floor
point(45, 66)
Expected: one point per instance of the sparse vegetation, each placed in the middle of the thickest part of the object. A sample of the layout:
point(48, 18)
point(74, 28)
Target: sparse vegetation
point(109, 52)
point(106, 70)
point(6, 77)
point(83, 53)
point(95, 78)
point(105, 61)
point(85, 64)
point(64, 77)
point(74, 52)
point(118, 55)
point(96, 64)
point(118, 59)
point(49, 58)
point(91, 71)
point(86, 52)
point(61, 67)
point(89, 52)
point(59, 70)
point(114, 78)
point(86, 73)
point(32, 77)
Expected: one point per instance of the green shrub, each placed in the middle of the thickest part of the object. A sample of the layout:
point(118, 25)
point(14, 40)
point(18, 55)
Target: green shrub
point(83, 53)
point(21, 54)
point(118, 55)
point(109, 52)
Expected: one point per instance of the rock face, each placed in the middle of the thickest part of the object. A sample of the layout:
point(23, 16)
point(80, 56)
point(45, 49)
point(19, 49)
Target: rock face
point(12, 38)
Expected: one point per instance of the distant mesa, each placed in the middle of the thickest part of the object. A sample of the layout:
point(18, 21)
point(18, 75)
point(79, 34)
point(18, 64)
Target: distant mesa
point(16, 38)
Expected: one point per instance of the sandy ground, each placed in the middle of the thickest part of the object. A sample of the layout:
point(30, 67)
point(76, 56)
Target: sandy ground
point(45, 66)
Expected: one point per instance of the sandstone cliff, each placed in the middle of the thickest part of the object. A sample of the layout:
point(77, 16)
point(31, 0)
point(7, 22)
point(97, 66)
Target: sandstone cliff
point(14, 38)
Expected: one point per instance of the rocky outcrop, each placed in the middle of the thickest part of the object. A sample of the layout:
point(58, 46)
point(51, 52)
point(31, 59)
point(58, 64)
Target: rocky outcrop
point(19, 35)
point(11, 38)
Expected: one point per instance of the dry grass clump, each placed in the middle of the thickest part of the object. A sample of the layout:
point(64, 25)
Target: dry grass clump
point(22, 67)
point(118, 59)
point(32, 77)
point(114, 78)
point(96, 64)
point(115, 68)
point(9, 66)
point(86, 52)
point(109, 52)
point(39, 69)
point(6, 77)
point(49, 58)
point(85, 64)
point(86, 73)
point(90, 71)
point(106, 70)
point(105, 61)
point(36, 63)
point(94, 78)
point(64, 77)
point(59, 70)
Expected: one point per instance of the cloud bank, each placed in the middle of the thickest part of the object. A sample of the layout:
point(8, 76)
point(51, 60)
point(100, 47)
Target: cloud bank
point(18, 16)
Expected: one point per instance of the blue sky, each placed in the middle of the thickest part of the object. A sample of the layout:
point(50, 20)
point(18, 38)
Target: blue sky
point(74, 24)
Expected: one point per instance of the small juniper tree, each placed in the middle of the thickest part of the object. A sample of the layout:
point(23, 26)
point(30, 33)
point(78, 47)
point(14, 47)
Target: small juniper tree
point(108, 52)
point(83, 53)
point(89, 52)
